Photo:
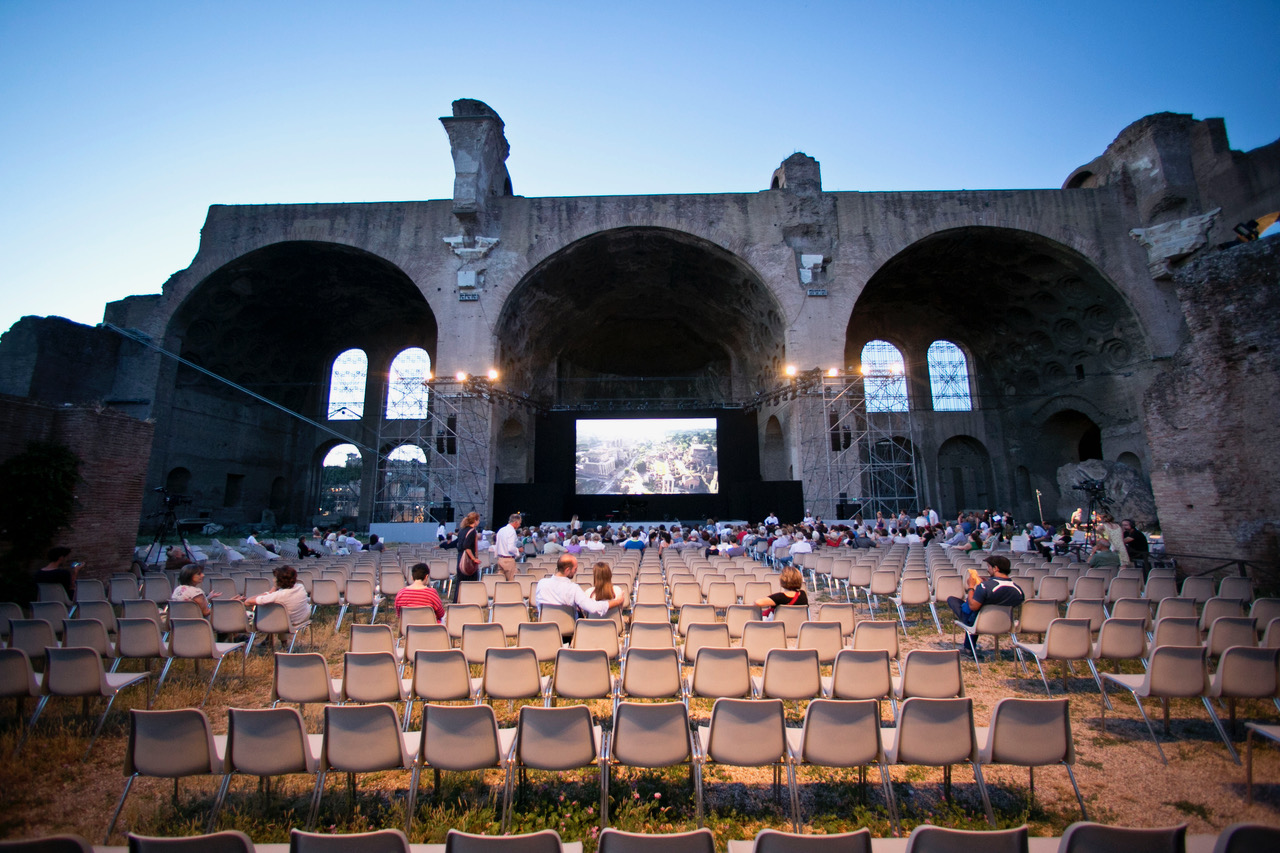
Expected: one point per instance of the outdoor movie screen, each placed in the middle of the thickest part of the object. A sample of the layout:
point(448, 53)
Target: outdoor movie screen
point(653, 456)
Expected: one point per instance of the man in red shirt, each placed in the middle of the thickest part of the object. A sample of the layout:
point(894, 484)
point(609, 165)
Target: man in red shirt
point(418, 594)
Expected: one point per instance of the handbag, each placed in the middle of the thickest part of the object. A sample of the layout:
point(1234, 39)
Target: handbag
point(468, 565)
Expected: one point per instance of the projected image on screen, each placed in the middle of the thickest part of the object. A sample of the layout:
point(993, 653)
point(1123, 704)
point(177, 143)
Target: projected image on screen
point(655, 456)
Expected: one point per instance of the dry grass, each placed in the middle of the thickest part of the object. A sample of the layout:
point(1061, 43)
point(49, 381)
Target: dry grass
point(48, 788)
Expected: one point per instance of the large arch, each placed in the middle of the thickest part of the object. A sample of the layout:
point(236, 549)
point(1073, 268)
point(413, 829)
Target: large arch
point(1040, 322)
point(273, 321)
point(641, 313)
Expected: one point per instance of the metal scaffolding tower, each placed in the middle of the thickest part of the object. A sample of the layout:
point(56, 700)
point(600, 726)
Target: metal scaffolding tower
point(856, 445)
point(448, 475)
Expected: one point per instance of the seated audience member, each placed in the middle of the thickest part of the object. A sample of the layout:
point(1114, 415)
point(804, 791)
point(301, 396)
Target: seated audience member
point(793, 593)
point(418, 594)
point(1103, 556)
point(175, 558)
point(375, 544)
point(288, 592)
point(560, 589)
point(189, 589)
point(996, 590)
point(59, 570)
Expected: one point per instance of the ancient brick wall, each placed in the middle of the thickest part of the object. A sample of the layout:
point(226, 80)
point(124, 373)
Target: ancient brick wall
point(1214, 434)
point(113, 449)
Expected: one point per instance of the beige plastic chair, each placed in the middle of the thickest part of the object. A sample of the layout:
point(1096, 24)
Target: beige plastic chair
point(168, 745)
point(510, 615)
point(377, 841)
point(192, 639)
point(721, 672)
point(738, 616)
point(266, 742)
point(695, 614)
point(1176, 631)
point(360, 593)
point(32, 636)
point(931, 673)
point(362, 739)
point(91, 634)
point(1120, 639)
point(543, 637)
point(845, 615)
point(581, 674)
point(792, 674)
point(1218, 608)
point(140, 639)
point(1228, 631)
point(553, 739)
point(1086, 837)
point(511, 674)
point(227, 617)
point(861, 674)
point(1271, 733)
point(792, 616)
point(1177, 608)
point(597, 634)
point(701, 636)
point(1034, 616)
point(303, 679)
point(122, 589)
point(440, 675)
point(272, 619)
point(776, 841)
point(650, 635)
point(78, 672)
point(937, 733)
point(459, 738)
point(993, 620)
point(840, 733)
point(759, 638)
point(1247, 837)
point(1065, 640)
point(1030, 733)
point(937, 839)
point(370, 677)
point(477, 640)
point(1244, 672)
point(562, 615)
point(543, 841)
point(227, 841)
point(695, 841)
point(649, 735)
point(651, 674)
point(914, 592)
point(749, 733)
point(870, 634)
point(100, 610)
point(372, 638)
point(18, 680)
point(1175, 672)
point(650, 613)
point(825, 638)
point(456, 616)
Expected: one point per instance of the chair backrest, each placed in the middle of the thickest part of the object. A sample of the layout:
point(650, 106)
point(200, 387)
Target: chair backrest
point(100, 610)
point(53, 612)
point(1247, 837)
point(1176, 607)
point(721, 672)
point(695, 614)
point(651, 673)
point(1225, 632)
point(994, 619)
point(1029, 733)
point(556, 738)
point(1217, 608)
point(705, 635)
point(169, 744)
point(511, 673)
point(301, 678)
point(840, 733)
point(933, 673)
point(90, 589)
point(17, 678)
point(935, 732)
point(758, 638)
point(33, 636)
point(582, 674)
point(651, 734)
point(460, 737)
point(597, 634)
point(1092, 609)
point(362, 738)
point(544, 841)
point(650, 613)
point(377, 841)
point(937, 839)
point(1068, 639)
point(267, 742)
point(1247, 672)
point(1121, 639)
point(1087, 837)
point(1035, 614)
point(191, 638)
point(226, 841)
point(736, 616)
point(458, 615)
point(1176, 631)
point(792, 616)
point(695, 841)
point(877, 635)
point(88, 633)
point(861, 674)
point(477, 640)
point(543, 637)
point(139, 638)
point(1177, 671)
point(563, 615)
point(842, 614)
point(791, 674)
point(441, 675)
point(747, 732)
point(228, 617)
point(823, 637)
point(371, 677)
point(273, 618)
point(651, 635)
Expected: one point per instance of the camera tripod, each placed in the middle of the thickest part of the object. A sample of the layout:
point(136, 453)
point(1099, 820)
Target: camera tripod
point(168, 524)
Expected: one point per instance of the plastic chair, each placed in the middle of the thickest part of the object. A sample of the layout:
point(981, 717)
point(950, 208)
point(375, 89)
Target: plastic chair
point(477, 640)
point(554, 739)
point(1030, 733)
point(169, 745)
point(192, 639)
point(938, 839)
point(617, 841)
point(459, 738)
point(703, 635)
point(931, 673)
point(775, 841)
point(870, 634)
point(749, 733)
point(597, 634)
point(937, 733)
point(825, 638)
point(266, 742)
point(581, 674)
point(32, 636)
point(78, 672)
point(512, 673)
point(272, 619)
point(371, 677)
point(91, 634)
point(362, 739)
point(721, 673)
point(1271, 733)
point(651, 674)
point(1244, 672)
point(303, 678)
point(839, 733)
point(1175, 672)
point(650, 635)
point(543, 841)
point(648, 735)
point(1247, 837)
point(993, 620)
point(457, 616)
point(227, 841)
point(377, 841)
point(18, 680)
point(1065, 640)
point(862, 674)
point(1086, 837)
point(759, 638)
point(789, 674)
point(543, 637)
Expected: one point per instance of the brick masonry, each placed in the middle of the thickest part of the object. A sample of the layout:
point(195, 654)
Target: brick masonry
point(114, 450)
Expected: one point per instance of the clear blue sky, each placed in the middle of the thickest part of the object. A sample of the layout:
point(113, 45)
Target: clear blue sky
point(122, 121)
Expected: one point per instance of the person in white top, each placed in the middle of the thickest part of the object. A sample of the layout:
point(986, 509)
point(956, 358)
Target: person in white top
point(288, 592)
point(561, 588)
point(506, 548)
point(593, 543)
point(771, 520)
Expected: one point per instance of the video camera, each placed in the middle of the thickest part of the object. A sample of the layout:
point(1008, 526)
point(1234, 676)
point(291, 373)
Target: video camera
point(173, 501)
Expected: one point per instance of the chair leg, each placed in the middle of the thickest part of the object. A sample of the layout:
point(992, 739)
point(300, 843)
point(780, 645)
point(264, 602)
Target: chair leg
point(315, 801)
point(886, 783)
point(411, 801)
point(1248, 767)
point(1138, 701)
point(31, 724)
point(1097, 679)
point(98, 728)
point(128, 783)
point(982, 789)
point(1084, 815)
point(1047, 691)
point(217, 803)
point(209, 689)
point(1208, 706)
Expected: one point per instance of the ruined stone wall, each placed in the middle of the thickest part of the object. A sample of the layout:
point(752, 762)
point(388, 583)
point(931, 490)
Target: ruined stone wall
point(1214, 435)
point(113, 449)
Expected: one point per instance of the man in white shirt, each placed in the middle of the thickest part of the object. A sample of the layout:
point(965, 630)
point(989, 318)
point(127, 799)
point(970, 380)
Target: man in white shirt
point(561, 588)
point(800, 546)
point(771, 520)
point(506, 547)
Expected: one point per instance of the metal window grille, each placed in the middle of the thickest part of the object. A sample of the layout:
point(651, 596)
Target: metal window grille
point(949, 378)
point(406, 388)
point(885, 376)
point(346, 386)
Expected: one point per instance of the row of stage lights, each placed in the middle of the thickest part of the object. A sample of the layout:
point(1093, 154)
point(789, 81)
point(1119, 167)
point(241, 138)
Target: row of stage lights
point(792, 371)
point(463, 376)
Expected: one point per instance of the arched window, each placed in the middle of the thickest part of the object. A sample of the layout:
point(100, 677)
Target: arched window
point(884, 376)
point(406, 388)
point(346, 386)
point(949, 378)
point(340, 476)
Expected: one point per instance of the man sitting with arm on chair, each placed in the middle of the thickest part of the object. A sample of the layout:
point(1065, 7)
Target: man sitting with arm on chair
point(561, 588)
point(996, 589)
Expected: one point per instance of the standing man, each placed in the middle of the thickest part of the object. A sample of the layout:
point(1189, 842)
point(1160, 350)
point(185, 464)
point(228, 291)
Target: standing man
point(506, 547)
point(1135, 543)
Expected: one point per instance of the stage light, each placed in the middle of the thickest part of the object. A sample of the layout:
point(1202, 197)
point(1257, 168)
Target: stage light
point(461, 376)
point(493, 374)
point(790, 370)
point(833, 372)
point(863, 370)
